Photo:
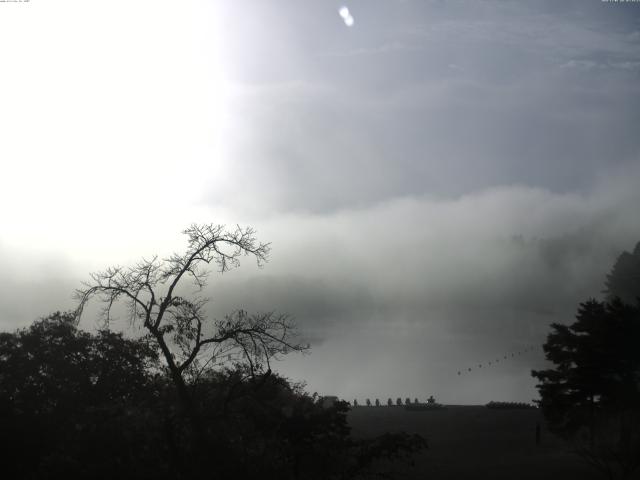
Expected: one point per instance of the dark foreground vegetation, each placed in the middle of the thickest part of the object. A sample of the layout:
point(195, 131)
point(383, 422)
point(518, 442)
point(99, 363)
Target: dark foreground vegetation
point(81, 405)
point(591, 394)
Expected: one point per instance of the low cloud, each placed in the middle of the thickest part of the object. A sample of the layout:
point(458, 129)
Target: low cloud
point(446, 283)
point(438, 284)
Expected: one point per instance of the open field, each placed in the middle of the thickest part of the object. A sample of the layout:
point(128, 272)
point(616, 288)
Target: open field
point(474, 442)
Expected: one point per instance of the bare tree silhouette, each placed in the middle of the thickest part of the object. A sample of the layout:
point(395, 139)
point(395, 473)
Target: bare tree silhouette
point(187, 339)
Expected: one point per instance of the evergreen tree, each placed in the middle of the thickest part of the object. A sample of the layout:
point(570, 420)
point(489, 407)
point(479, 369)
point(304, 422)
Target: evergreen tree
point(624, 279)
point(593, 390)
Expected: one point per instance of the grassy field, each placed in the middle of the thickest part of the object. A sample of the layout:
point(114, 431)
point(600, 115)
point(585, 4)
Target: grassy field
point(474, 442)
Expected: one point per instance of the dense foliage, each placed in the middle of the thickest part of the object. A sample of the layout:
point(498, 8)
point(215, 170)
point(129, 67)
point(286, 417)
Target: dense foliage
point(74, 402)
point(592, 394)
point(80, 405)
point(624, 279)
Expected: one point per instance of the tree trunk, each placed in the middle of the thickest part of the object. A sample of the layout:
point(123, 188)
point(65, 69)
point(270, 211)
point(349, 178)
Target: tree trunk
point(592, 425)
point(188, 405)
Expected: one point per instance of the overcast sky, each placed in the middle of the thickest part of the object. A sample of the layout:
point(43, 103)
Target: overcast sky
point(440, 180)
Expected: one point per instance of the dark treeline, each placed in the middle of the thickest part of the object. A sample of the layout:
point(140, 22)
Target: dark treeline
point(591, 394)
point(80, 405)
point(430, 401)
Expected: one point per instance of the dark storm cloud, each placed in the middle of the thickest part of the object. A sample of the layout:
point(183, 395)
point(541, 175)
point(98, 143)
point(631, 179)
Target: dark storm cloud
point(438, 98)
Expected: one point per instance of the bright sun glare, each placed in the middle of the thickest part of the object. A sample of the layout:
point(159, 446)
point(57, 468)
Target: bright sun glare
point(109, 130)
point(346, 16)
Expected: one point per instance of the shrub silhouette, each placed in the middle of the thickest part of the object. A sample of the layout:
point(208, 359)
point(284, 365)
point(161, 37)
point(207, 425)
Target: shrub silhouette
point(591, 395)
point(67, 395)
point(79, 405)
point(185, 336)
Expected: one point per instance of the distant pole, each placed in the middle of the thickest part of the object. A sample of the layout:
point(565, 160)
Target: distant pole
point(538, 434)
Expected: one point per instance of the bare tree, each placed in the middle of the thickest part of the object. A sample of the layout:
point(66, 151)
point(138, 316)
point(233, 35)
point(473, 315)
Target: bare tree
point(187, 339)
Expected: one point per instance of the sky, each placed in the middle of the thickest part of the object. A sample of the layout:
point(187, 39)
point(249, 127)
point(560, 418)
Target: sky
point(440, 180)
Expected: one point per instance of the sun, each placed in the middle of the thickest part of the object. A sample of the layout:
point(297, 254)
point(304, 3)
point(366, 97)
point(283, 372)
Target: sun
point(106, 133)
point(346, 16)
